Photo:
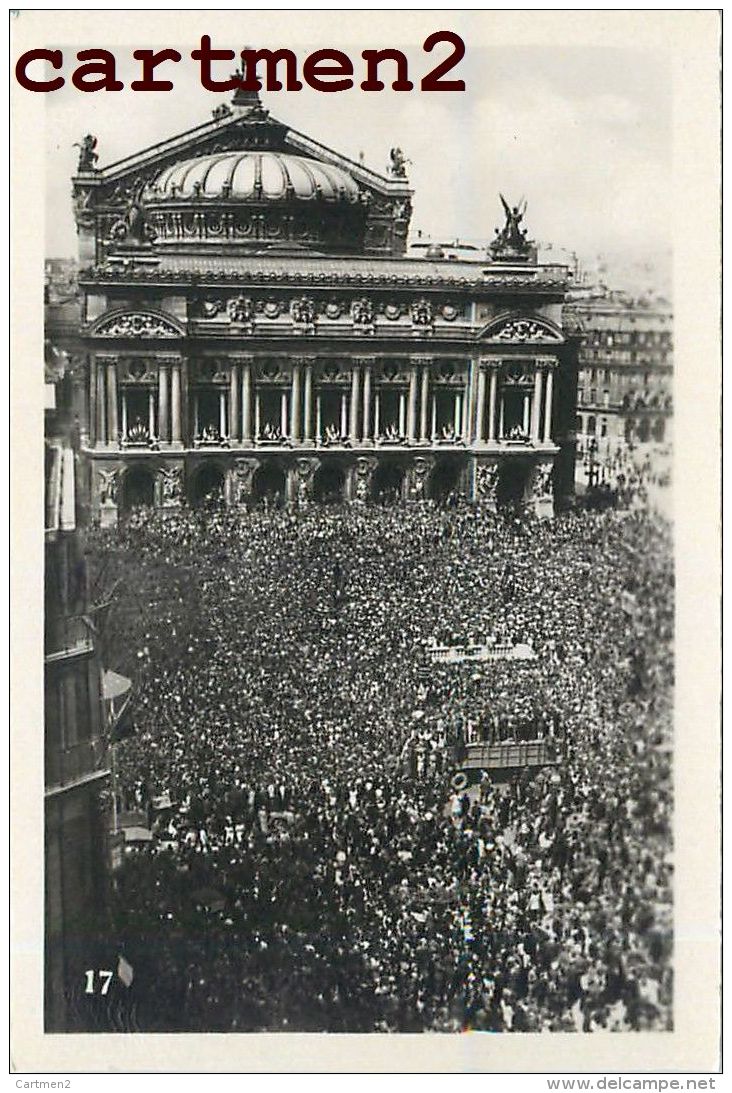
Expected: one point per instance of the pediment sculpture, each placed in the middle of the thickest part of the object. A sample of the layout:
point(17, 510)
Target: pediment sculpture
point(134, 324)
point(522, 330)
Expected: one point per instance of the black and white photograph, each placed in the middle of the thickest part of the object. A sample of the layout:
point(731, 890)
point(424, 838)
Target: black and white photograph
point(359, 598)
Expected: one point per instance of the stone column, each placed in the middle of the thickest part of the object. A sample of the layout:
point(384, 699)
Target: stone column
point(377, 415)
point(124, 414)
point(355, 388)
point(101, 416)
point(308, 400)
point(412, 409)
point(257, 415)
point(526, 413)
point(434, 417)
point(536, 406)
point(295, 404)
point(548, 405)
point(492, 404)
point(467, 407)
point(185, 395)
point(112, 424)
point(318, 419)
point(196, 421)
point(458, 414)
point(480, 411)
point(344, 416)
point(246, 401)
point(151, 413)
point(234, 382)
point(93, 429)
point(402, 413)
point(163, 407)
point(423, 402)
point(222, 413)
point(366, 422)
point(283, 413)
point(175, 403)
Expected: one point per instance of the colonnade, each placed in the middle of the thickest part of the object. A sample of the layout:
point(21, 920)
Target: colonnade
point(537, 402)
point(477, 410)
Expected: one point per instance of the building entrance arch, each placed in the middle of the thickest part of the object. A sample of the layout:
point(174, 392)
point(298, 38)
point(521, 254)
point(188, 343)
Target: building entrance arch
point(329, 483)
point(388, 482)
point(445, 479)
point(513, 478)
point(208, 486)
point(268, 484)
point(138, 489)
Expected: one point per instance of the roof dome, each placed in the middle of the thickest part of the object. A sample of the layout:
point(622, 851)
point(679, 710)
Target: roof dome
point(253, 176)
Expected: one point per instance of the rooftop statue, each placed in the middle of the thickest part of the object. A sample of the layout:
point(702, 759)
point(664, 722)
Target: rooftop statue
point(87, 154)
point(511, 240)
point(398, 164)
point(133, 227)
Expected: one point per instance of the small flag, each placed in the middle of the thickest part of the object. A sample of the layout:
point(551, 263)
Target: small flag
point(125, 972)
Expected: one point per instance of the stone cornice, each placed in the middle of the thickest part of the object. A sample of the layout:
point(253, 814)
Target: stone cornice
point(537, 283)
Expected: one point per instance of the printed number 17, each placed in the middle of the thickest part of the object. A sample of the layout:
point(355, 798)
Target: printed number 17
point(105, 979)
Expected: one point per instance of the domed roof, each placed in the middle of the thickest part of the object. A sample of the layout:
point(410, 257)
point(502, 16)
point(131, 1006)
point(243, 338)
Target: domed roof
point(253, 176)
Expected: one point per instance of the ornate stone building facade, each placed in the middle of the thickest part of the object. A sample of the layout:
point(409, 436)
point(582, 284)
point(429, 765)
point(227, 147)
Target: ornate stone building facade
point(76, 754)
point(625, 394)
point(251, 328)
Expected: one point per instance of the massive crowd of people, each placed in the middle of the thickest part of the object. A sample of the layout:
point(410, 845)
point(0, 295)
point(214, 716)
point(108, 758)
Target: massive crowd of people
point(312, 866)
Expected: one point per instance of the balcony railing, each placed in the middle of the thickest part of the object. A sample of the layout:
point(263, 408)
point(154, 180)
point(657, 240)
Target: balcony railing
point(66, 636)
point(139, 436)
point(73, 764)
point(210, 437)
